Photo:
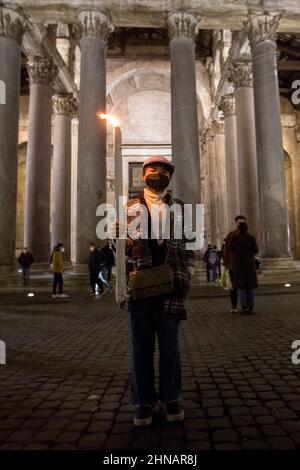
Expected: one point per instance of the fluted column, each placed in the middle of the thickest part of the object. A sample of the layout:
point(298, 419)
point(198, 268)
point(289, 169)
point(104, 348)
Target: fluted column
point(42, 73)
point(11, 32)
point(212, 178)
point(241, 73)
point(218, 129)
point(94, 28)
point(227, 105)
point(273, 205)
point(185, 141)
point(205, 185)
point(65, 106)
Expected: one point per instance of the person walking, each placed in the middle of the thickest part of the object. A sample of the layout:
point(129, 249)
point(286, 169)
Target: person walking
point(206, 262)
point(58, 269)
point(159, 314)
point(244, 246)
point(108, 255)
point(25, 260)
point(228, 262)
point(213, 259)
point(94, 265)
point(103, 268)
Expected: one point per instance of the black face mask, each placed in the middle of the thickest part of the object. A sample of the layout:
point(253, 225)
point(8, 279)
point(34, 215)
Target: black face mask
point(157, 181)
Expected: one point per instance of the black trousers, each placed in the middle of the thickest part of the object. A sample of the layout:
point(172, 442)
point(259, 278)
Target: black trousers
point(108, 272)
point(94, 279)
point(58, 281)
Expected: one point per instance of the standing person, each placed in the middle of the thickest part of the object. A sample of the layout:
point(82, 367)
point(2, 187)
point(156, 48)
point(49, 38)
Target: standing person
point(159, 314)
point(228, 262)
point(58, 269)
point(103, 268)
point(213, 259)
point(108, 255)
point(94, 265)
point(25, 260)
point(245, 248)
point(206, 262)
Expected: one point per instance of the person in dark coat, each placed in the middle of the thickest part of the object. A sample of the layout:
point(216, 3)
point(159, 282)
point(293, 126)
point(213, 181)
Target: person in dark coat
point(109, 258)
point(95, 268)
point(244, 246)
point(25, 260)
point(206, 262)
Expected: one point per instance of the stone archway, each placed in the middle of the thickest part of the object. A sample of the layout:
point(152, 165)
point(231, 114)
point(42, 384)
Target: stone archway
point(290, 195)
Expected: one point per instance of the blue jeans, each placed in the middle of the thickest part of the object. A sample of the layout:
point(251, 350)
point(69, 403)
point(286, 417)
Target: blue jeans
point(103, 278)
point(214, 268)
point(146, 320)
point(246, 298)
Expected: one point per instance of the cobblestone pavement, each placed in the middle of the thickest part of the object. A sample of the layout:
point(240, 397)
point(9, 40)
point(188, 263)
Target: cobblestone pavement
point(66, 381)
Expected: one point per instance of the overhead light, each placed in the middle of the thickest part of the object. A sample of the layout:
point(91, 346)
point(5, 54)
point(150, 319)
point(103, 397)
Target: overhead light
point(31, 294)
point(287, 285)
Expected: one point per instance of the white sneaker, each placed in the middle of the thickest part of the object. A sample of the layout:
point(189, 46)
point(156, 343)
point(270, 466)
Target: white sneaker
point(62, 296)
point(54, 296)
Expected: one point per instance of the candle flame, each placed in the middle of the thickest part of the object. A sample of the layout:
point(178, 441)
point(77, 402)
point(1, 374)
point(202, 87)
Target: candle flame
point(111, 119)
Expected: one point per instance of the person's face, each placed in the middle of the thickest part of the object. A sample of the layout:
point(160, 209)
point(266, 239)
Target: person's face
point(157, 178)
point(62, 249)
point(239, 221)
point(92, 248)
point(25, 250)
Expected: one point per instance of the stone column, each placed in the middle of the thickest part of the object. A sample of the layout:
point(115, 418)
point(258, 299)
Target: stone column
point(227, 105)
point(218, 129)
point(246, 143)
point(272, 192)
point(42, 73)
point(64, 108)
point(94, 28)
point(205, 185)
point(185, 141)
point(212, 179)
point(11, 32)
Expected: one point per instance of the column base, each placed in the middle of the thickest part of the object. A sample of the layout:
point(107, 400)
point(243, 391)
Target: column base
point(279, 269)
point(79, 269)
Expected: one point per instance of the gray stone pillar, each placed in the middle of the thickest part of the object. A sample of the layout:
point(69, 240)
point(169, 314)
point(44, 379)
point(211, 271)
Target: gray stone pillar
point(218, 129)
point(11, 31)
point(241, 74)
point(227, 105)
point(212, 178)
point(205, 185)
point(64, 108)
point(42, 72)
point(94, 28)
point(185, 140)
point(272, 192)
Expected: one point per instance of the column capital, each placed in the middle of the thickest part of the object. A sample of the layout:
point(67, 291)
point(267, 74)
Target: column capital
point(241, 74)
point(94, 23)
point(262, 26)
point(11, 24)
point(227, 105)
point(182, 25)
point(65, 104)
point(42, 70)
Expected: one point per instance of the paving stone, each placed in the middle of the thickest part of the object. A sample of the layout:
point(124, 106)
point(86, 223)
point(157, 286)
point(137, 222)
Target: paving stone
point(281, 443)
point(92, 441)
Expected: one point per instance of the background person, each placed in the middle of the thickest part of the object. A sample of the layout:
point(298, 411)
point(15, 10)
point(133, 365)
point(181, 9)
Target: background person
point(25, 260)
point(58, 269)
point(244, 246)
point(229, 264)
point(94, 265)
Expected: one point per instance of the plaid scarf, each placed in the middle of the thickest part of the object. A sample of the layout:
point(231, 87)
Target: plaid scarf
point(178, 257)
